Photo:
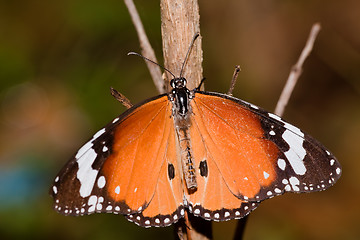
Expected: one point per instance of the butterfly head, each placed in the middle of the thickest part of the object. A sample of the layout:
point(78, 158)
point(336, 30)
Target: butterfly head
point(178, 83)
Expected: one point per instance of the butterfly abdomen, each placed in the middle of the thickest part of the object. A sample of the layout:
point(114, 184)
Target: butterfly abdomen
point(186, 157)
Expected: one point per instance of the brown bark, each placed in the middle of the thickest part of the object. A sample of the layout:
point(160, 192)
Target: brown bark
point(180, 20)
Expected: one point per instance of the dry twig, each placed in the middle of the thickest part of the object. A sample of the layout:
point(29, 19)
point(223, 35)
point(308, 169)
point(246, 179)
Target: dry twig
point(121, 98)
point(146, 49)
point(233, 80)
point(296, 71)
point(180, 20)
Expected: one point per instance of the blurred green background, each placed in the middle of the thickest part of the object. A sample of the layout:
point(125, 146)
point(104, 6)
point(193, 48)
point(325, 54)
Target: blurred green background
point(58, 60)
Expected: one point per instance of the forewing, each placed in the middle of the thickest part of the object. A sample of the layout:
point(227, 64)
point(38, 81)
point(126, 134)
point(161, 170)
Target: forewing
point(118, 169)
point(257, 153)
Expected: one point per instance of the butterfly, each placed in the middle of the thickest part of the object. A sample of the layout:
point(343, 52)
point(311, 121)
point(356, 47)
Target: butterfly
point(208, 153)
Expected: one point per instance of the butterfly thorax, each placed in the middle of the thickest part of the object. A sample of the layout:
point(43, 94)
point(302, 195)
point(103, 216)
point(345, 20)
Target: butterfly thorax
point(180, 97)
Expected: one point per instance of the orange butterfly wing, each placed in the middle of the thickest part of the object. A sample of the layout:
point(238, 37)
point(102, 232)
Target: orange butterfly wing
point(124, 169)
point(256, 153)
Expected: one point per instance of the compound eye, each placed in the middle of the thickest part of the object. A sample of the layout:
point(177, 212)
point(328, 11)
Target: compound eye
point(172, 83)
point(184, 81)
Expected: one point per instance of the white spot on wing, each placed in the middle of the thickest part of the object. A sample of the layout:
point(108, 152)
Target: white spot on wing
point(92, 202)
point(86, 174)
point(115, 120)
point(287, 125)
point(101, 182)
point(104, 149)
point(99, 206)
point(296, 152)
point(332, 162)
point(89, 144)
point(83, 149)
point(55, 189)
point(99, 133)
point(281, 164)
point(266, 175)
point(253, 106)
point(285, 181)
point(295, 138)
point(117, 190)
point(294, 183)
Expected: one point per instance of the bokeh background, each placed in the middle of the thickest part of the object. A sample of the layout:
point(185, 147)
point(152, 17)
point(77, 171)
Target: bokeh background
point(58, 60)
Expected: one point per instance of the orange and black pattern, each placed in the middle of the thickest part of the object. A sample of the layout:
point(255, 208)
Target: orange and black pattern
point(242, 155)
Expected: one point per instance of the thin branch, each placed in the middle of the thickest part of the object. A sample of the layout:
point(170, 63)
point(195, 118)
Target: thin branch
point(180, 20)
point(146, 49)
point(233, 80)
point(121, 98)
point(296, 71)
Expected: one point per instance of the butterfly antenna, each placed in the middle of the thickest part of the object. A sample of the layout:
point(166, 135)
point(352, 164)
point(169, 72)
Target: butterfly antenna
point(188, 52)
point(145, 58)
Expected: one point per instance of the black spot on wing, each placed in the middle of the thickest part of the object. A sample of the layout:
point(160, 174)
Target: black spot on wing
point(171, 171)
point(203, 168)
